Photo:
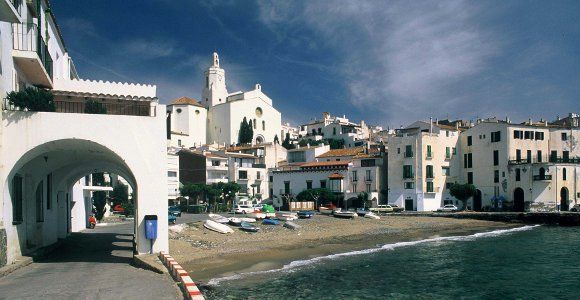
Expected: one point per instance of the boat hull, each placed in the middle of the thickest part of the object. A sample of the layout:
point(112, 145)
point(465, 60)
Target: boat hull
point(217, 227)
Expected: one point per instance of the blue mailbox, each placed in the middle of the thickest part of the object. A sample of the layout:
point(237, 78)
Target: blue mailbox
point(151, 227)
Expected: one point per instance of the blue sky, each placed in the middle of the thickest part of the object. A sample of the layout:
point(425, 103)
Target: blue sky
point(387, 62)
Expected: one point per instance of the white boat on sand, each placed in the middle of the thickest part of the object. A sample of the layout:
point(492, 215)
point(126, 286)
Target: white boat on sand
point(372, 215)
point(218, 218)
point(217, 227)
point(248, 220)
point(345, 214)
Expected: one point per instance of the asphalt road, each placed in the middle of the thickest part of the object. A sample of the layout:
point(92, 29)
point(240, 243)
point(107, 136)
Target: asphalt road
point(94, 264)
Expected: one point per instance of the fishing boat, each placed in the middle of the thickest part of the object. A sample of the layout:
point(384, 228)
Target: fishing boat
point(305, 214)
point(235, 221)
point(270, 222)
point(248, 220)
point(286, 216)
point(344, 214)
point(245, 226)
point(257, 215)
point(217, 227)
point(218, 218)
point(372, 215)
point(291, 225)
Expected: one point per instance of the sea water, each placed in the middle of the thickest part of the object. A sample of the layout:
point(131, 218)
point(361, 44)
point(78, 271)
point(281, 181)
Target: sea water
point(532, 262)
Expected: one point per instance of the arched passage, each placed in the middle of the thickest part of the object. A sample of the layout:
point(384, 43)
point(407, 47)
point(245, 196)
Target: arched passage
point(519, 199)
point(39, 191)
point(564, 205)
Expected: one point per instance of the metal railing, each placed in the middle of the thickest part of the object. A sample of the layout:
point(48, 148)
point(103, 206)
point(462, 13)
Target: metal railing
point(368, 179)
point(544, 159)
point(26, 37)
point(130, 108)
point(408, 153)
point(542, 177)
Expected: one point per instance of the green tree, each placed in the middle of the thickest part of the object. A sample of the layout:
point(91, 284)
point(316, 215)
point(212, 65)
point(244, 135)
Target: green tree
point(99, 197)
point(95, 107)
point(286, 143)
point(246, 133)
point(32, 99)
point(193, 191)
point(319, 196)
point(120, 194)
point(462, 192)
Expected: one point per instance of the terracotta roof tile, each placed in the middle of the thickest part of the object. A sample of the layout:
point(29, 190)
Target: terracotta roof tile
point(188, 101)
point(343, 152)
point(326, 163)
point(335, 176)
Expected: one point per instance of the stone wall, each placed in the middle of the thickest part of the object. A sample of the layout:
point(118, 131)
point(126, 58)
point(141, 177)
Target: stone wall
point(3, 247)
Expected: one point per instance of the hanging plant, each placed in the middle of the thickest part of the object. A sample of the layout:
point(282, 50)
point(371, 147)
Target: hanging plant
point(32, 99)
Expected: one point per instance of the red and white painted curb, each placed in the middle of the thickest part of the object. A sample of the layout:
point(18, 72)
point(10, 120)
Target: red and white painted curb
point(189, 288)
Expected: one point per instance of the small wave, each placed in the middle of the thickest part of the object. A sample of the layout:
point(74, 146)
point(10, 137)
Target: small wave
point(301, 263)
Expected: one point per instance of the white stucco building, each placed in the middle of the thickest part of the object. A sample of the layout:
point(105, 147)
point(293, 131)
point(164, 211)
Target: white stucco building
point(45, 154)
point(338, 128)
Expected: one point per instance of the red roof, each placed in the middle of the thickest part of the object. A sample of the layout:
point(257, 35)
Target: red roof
point(187, 100)
point(335, 176)
point(326, 163)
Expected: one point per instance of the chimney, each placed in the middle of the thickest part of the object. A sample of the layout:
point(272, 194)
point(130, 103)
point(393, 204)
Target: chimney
point(430, 125)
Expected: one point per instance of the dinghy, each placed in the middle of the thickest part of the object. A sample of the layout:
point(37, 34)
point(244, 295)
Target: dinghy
point(217, 227)
point(270, 222)
point(248, 220)
point(286, 216)
point(345, 214)
point(218, 218)
point(291, 225)
point(372, 215)
point(305, 214)
point(245, 226)
point(235, 221)
point(325, 211)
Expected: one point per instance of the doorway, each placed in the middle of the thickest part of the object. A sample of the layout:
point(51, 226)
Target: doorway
point(477, 201)
point(518, 199)
point(564, 206)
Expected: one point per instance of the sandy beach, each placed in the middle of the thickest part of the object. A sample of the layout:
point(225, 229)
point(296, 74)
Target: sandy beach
point(206, 254)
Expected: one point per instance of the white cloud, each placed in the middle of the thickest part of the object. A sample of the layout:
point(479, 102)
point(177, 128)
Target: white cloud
point(401, 56)
point(149, 48)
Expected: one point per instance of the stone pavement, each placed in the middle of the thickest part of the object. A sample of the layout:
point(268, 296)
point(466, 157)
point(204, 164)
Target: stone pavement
point(94, 264)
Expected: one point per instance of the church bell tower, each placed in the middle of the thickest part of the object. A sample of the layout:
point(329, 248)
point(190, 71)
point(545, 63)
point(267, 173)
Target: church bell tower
point(214, 85)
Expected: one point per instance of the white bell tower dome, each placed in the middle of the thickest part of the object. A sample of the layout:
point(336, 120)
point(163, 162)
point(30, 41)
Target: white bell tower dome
point(214, 86)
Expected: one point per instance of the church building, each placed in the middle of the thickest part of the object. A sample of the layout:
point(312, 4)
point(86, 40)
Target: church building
point(220, 113)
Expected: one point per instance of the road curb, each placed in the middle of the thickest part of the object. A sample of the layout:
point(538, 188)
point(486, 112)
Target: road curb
point(20, 263)
point(188, 287)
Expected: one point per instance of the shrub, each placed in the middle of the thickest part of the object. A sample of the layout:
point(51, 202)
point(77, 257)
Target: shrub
point(32, 99)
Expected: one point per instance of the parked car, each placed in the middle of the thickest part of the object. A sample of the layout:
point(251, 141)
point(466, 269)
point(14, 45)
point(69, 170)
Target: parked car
point(575, 208)
point(118, 208)
point(171, 218)
point(396, 208)
point(448, 208)
point(174, 210)
point(382, 208)
point(243, 209)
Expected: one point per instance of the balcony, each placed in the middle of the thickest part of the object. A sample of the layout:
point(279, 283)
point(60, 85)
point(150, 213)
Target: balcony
point(408, 153)
point(542, 177)
point(30, 53)
point(125, 107)
point(545, 160)
point(261, 166)
point(368, 179)
point(10, 11)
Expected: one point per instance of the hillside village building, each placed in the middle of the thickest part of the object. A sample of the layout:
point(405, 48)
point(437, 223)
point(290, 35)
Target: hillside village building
point(45, 155)
point(334, 127)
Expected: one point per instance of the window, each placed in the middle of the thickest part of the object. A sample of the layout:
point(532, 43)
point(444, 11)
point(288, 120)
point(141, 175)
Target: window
point(448, 185)
point(553, 156)
point(354, 176)
point(409, 185)
point(528, 135)
point(429, 153)
point(539, 155)
point(469, 140)
point(171, 174)
point(495, 157)
point(465, 160)
point(518, 134)
point(215, 163)
point(368, 176)
point(322, 184)
point(564, 174)
point(429, 171)
point(39, 206)
point(49, 191)
point(518, 154)
point(308, 184)
point(263, 125)
point(429, 186)
point(17, 196)
point(564, 136)
point(407, 171)
point(496, 176)
point(319, 130)
point(334, 131)
point(243, 174)
point(398, 150)
point(367, 163)
point(445, 171)
point(447, 133)
point(470, 177)
point(368, 189)
point(408, 151)
point(179, 143)
point(354, 187)
point(258, 175)
point(206, 83)
point(469, 160)
point(496, 136)
point(453, 151)
point(447, 152)
point(565, 156)
point(518, 174)
point(529, 156)
point(271, 178)
point(259, 112)
point(286, 187)
point(539, 136)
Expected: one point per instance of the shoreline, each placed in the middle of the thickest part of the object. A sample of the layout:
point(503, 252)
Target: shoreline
point(208, 255)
